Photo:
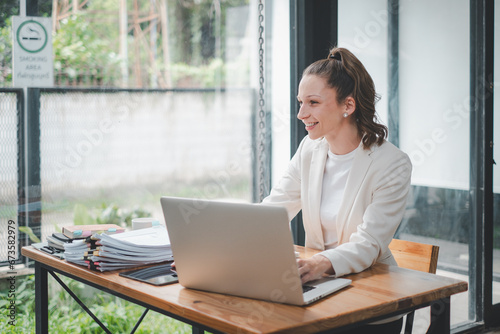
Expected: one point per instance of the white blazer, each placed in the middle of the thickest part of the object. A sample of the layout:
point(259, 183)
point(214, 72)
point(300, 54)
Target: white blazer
point(371, 210)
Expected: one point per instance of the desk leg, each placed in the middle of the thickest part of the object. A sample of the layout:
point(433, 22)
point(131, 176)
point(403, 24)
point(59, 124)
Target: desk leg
point(41, 299)
point(440, 316)
point(197, 330)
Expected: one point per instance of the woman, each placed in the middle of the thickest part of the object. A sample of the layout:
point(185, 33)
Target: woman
point(350, 183)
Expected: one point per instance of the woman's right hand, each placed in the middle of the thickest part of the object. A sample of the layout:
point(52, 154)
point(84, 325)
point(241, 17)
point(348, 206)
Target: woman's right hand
point(314, 268)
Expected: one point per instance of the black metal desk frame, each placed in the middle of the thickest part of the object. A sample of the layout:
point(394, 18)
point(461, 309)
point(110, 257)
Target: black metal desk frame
point(440, 309)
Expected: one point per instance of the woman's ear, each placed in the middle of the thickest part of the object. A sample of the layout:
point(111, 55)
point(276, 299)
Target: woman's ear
point(350, 105)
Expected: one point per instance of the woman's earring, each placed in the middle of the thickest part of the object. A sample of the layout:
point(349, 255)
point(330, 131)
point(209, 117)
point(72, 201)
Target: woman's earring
point(345, 114)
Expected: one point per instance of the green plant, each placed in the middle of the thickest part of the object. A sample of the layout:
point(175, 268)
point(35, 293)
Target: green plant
point(66, 316)
point(107, 214)
point(19, 303)
point(210, 75)
point(81, 215)
point(30, 233)
point(81, 54)
point(6, 54)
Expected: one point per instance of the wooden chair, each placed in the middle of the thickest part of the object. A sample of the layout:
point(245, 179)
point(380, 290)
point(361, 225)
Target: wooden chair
point(416, 256)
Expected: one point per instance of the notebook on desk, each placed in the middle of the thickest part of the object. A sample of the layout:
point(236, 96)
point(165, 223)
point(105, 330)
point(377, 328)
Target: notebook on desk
point(239, 249)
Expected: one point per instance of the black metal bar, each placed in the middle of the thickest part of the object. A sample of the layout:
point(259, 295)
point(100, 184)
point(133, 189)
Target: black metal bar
point(481, 160)
point(138, 90)
point(409, 322)
point(127, 298)
point(41, 299)
point(314, 26)
point(22, 216)
point(31, 7)
point(29, 189)
point(139, 321)
point(440, 316)
point(393, 67)
point(32, 187)
point(313, 32)
point(494, 322)
point(475, 180)
point(490, 317)
point(20, 163)
point(82, 305)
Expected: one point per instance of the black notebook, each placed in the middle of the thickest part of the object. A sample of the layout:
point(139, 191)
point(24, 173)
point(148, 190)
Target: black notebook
point(157, 275)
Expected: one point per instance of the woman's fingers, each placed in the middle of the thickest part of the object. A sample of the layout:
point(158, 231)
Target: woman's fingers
point(313, 268)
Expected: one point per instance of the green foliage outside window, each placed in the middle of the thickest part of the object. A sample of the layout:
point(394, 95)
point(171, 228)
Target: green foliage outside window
point(86, 45)
point(81, 56)
point(6, 55)
point(66, 316)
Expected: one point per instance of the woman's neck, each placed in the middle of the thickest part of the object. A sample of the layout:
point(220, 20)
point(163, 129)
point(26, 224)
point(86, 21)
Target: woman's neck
point(344, 142)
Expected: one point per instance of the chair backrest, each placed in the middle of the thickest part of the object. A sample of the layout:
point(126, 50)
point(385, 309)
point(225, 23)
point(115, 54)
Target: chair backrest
point(414, 255)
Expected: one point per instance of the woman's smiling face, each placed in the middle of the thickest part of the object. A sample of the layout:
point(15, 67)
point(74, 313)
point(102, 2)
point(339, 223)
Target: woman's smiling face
point(319, 109)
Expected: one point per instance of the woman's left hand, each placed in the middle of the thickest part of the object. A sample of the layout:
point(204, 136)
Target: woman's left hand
point(314, 267)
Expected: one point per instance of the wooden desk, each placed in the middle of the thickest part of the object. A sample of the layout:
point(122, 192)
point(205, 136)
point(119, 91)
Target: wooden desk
point(376, 293)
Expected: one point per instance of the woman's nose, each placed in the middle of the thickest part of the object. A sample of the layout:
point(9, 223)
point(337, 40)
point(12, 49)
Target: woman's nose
point(302, 114)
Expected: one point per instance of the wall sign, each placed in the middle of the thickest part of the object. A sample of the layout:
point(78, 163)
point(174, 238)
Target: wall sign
point(32, 52)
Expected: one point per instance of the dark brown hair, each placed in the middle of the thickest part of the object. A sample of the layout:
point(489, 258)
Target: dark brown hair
point(347, 75)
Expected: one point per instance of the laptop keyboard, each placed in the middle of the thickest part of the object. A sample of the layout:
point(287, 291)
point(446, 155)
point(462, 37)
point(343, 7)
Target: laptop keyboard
point(306, 288)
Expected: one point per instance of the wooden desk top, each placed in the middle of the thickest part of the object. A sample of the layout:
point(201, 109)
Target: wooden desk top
point(377, 291)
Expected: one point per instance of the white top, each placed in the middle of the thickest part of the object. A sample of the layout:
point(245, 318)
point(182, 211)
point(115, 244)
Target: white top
point(337, 169)
point(372, 207)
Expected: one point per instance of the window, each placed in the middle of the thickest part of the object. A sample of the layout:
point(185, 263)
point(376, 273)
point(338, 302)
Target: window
point(419, 56)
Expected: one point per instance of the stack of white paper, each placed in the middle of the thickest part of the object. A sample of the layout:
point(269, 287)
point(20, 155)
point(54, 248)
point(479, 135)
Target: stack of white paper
point(123, 250)
point(74, 251)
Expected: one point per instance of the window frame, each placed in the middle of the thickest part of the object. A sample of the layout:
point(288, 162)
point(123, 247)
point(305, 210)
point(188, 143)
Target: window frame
point(481, 162)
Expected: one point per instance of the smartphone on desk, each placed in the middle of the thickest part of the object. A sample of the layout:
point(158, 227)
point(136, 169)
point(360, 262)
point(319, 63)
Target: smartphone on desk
point(157, 275)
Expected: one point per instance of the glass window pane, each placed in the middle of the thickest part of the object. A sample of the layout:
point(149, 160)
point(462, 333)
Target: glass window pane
point(106, 155)
point(9, 124)
point(279, 73)
point(365, 34)
point(434, 130)
point(109, 156)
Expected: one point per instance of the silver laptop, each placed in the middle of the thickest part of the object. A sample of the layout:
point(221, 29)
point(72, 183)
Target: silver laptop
point(239, 249)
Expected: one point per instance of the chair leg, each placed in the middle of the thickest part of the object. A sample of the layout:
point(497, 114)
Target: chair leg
point(409, 322)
